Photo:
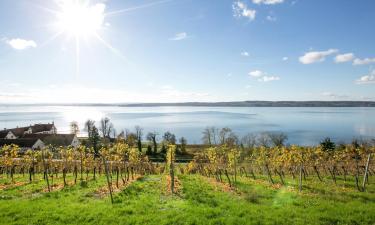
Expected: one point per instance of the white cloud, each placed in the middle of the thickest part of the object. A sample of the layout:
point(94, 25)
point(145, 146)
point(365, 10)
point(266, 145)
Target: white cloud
point(313, 57)
point(240, 9)
point(262, 76)
point(268, 78)
point(20, 44)
point(285, 58)
point(257, 73)
point(246, 54)
point(179, 36)
point(344, 58)
point(365, 61)
point(268, 2)
point(367, 79)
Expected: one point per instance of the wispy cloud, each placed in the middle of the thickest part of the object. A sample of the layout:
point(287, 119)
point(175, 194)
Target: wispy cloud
point(245, 54)
point(365, 61)
point(316, 56)
point(367, 79)
point(268, 2)
point(168, 91)
point(75, 93)
point(285, 58)
point(271, 18)
point(240, 9)
point(179, 36)
point(262, 76)
point(256, 73)
point(268, 78)
point(334, 96)
point(20, 44)
point(344, 58)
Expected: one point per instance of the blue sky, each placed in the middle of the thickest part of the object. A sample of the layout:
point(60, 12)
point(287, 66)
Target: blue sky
point(187, 50)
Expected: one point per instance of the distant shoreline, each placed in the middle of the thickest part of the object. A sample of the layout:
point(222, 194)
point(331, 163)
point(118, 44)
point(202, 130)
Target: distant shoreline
point(219, 104)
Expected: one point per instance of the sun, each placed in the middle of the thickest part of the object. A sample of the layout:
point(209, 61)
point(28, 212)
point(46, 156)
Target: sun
point(79, 19)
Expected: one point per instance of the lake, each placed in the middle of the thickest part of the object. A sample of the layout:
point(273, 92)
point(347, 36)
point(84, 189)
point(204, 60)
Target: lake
point(304, 126)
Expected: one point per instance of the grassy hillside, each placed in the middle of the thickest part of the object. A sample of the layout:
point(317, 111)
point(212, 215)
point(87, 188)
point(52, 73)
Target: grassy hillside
point(199, 200)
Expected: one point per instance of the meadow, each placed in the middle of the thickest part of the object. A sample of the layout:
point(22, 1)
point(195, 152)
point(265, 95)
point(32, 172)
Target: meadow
point(197, 200)
point(221, 184)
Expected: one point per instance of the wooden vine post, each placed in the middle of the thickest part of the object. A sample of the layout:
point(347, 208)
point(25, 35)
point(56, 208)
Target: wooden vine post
point(300, 173)
point(365, 176)
point(45, 170)
point(107, 175)
point(170, 160)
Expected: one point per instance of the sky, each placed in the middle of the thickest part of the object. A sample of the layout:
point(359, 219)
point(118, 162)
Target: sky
point(122, 51)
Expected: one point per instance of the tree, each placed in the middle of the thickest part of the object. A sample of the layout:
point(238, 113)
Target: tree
point(249, 141)
point(74, 129)
point(139, 134)
point(151, 136)
point(94, 139)
point(183, 143)
point(169, 138)
point(106, 127)
point(89, 124)
point(209, 135)
point(149, 150)
point(130, 138)
point(223, 134)
point(264, 140)
point(278, 139)
point(232, 139)
point(327, 145)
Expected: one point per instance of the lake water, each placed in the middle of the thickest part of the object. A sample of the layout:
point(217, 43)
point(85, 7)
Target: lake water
point(305, 126)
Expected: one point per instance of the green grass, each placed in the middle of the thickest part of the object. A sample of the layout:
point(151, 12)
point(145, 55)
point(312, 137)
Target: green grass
point(199, 201)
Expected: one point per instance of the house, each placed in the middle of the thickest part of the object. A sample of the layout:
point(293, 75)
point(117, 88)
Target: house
point(24, 143)
point(56, 140)
point(32, 129)
point(37, 136)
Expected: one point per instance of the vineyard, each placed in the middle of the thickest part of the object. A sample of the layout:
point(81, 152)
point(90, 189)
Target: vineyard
point(222, 184)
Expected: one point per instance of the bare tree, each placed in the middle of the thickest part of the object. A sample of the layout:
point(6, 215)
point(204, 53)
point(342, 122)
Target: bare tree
point(106, 127)
point(169, 138)
point(114, 133)
point(232, 139)
point(249, 140)
point(139, 135)
point(183, 143)
point(210, 136)
point(264, 139)
point(89, 124)
point(224, 134)
point(74, 129)
point(278, 139)
point(151, 136)
point(207, 136)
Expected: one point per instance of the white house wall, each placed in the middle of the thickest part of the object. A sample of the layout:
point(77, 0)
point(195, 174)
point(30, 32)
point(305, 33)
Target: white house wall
point(10, 135)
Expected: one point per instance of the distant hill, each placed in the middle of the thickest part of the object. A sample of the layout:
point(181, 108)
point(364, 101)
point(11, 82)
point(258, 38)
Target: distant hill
point(225, 104)
point(262, 104)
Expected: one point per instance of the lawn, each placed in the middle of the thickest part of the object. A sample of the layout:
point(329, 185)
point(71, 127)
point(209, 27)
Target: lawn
point(199, 200)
